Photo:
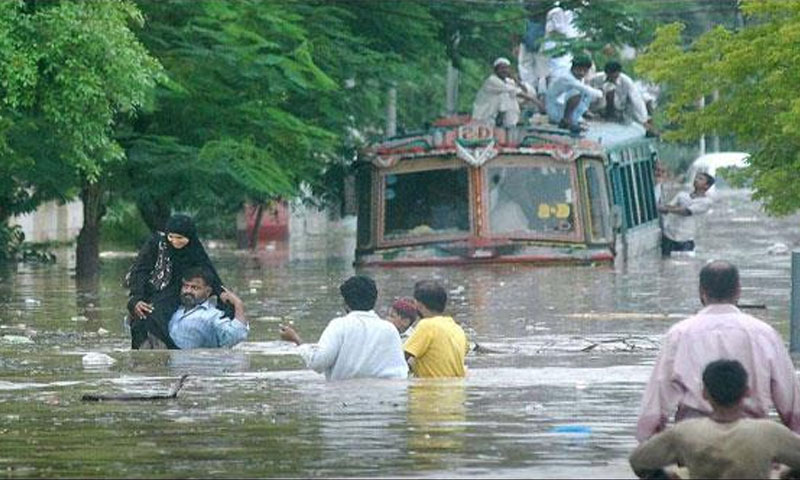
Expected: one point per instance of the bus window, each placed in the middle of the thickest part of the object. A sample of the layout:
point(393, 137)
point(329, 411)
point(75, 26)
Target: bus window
point(429, 203)
point(531, 200)
point(599, 210)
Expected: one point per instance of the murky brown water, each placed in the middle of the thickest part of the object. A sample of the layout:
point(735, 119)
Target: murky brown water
point(538, 407)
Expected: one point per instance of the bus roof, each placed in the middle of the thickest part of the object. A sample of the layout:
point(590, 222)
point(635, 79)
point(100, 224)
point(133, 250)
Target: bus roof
point(477, 143)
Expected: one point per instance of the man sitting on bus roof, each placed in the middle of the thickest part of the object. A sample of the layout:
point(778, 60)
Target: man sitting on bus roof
point(498, 95)
point(622, 101)
point(568, 98)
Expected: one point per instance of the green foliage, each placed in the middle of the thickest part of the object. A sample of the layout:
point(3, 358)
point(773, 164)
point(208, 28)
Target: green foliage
point(237, 120)
point(11, 238)
point(70, 74)
point(123, 226)
point(754, 71)
point(256, 100)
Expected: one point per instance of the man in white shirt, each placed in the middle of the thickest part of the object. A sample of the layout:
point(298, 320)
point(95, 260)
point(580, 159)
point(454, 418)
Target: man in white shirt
point(498, 95)
point(680, 216)
point(559, 26)
point(357, 345)
point(568, 98)
point(622, 101)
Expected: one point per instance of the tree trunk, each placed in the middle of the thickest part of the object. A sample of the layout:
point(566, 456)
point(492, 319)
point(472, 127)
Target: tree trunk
point(256, 226)
point(87, 254)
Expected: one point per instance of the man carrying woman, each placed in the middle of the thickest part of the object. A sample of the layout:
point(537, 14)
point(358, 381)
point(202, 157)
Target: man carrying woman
point(155, 281)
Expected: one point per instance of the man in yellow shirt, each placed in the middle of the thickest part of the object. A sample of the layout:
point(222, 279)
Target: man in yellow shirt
point(438, 345)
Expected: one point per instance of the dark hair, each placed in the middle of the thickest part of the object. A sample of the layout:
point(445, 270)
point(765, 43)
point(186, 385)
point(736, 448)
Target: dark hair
point(198, 272)
point(719, 280)
point(359, 292)
point(725, 382)
point(709, 179)
point(582, 61)
point(431, 294)
point(612, 67)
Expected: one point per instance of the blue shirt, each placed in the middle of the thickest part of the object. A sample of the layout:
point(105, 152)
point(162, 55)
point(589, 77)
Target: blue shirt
point(204, 327)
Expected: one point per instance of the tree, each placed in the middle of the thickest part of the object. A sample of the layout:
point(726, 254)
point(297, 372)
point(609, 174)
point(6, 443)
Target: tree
point(232, 123)
point(72, 73)
point(754, 70)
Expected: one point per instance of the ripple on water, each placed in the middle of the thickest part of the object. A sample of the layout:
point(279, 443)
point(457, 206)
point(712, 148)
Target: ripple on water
point(539, 401)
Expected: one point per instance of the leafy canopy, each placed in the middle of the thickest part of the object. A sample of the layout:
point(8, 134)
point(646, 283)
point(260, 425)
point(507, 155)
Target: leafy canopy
point(755, 71)
point(70, 73)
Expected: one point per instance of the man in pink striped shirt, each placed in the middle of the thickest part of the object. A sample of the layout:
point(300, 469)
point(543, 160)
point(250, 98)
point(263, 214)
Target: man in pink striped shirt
point(719, 331)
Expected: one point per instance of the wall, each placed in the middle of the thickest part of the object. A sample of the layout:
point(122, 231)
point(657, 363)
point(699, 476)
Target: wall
point(52, 222)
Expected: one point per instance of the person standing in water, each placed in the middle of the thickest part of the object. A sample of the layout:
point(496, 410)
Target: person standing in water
point(155, 281)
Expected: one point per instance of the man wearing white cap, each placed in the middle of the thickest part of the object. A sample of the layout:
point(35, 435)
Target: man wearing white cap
point(498, 94)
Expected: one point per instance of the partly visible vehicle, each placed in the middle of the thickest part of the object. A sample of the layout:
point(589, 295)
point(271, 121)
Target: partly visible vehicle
point(462, 193)
point(713, 163)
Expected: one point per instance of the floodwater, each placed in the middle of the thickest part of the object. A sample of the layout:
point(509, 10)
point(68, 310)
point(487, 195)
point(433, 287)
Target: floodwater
point(554, 394)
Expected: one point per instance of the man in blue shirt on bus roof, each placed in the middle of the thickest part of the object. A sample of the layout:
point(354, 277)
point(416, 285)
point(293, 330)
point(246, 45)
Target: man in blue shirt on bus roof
point(198, 323)
point(568, 98)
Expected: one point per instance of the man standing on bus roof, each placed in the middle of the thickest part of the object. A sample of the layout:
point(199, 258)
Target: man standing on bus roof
point(680, 216)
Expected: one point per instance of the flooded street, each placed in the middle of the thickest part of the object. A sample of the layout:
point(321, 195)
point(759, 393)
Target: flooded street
point(554, 392)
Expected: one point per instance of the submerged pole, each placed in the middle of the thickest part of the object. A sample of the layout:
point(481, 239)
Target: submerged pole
point(391, 112)
point(451, 99)
point(794, 323)
point(715, 138)
point(701, 104)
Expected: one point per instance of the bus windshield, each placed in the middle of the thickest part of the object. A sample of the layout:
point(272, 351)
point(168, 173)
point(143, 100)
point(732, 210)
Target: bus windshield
point(429, 203)
point(531, 200)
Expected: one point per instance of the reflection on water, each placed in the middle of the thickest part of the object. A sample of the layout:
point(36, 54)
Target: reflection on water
point(553, 392)
point(437, 417)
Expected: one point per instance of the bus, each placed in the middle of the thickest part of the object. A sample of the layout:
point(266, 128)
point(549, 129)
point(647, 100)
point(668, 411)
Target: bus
point(464, 193)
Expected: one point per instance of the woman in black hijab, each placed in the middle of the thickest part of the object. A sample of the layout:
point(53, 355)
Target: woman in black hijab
point(155, 279)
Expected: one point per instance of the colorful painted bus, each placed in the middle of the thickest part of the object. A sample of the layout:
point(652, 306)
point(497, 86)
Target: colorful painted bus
point(462, 193)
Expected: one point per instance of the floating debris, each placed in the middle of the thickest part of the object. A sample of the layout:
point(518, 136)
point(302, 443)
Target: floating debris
point(619, 316)
point(124, 397)
point(572, 429)
point(17, 340)
point(95, 359)
point(778, 248)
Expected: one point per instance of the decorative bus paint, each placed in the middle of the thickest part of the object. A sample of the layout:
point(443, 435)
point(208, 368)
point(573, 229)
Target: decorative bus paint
point(463, 193)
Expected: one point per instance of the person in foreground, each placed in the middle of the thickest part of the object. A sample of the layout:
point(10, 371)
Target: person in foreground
point(719, 330)
point(727, 444)
point(438, 345)
point(199, 324)
point(155, 281)
point(357, 345)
